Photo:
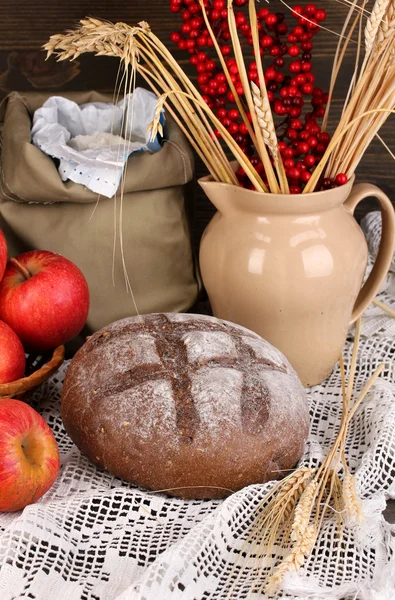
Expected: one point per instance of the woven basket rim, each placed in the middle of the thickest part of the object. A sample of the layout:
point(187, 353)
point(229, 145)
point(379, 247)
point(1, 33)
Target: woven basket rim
point(14, 388)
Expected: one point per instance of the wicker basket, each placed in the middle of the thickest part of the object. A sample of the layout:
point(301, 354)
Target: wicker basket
point(38, 370)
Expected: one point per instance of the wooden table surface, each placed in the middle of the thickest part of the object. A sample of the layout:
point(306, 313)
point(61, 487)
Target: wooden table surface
point(26, 24)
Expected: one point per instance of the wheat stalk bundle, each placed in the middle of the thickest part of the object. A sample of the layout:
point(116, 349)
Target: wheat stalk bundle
point(289, 519)
point(373, 97)
point(370, 101)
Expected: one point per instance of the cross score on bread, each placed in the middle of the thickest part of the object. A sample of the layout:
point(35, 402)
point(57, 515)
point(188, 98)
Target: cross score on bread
point(176, 367)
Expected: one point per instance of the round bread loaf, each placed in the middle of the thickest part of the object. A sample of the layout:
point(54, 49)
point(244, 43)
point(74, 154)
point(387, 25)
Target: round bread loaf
point(188, 404)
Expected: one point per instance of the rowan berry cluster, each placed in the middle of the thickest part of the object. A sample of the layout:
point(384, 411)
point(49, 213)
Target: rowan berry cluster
point(287, 54)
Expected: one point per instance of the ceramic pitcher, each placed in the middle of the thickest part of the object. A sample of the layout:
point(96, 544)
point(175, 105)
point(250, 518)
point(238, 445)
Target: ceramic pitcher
point(290, 267)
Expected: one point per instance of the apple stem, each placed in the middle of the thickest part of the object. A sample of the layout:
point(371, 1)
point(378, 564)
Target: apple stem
point(23, 269)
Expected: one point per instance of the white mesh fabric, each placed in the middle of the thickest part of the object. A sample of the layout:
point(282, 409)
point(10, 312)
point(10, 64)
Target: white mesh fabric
point(95, 537)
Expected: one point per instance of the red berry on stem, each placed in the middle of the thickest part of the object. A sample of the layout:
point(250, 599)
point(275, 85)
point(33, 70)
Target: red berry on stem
point(297, 10)
point(219, 4)
point(294, 50)
point(296, 124)
point(303, 147)
point(262, 13)
point(295, 66)
point(233, 128)
point(295, 189)
point(289, 163)
point(320, 15)
point(310, 10)
point(266, 41)
point(341, 179)
point(295, 112)
point(233, 114)
point(175, 37)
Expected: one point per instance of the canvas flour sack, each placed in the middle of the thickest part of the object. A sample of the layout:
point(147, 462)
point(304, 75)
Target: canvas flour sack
point(38, 210)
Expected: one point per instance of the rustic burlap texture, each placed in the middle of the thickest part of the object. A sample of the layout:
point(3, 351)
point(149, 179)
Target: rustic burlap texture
point(38, 210)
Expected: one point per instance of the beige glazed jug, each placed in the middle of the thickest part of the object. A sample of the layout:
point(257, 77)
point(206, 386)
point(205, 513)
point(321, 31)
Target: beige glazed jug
point(291, 267)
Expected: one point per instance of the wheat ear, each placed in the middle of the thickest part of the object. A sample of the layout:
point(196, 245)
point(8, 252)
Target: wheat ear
point(373, 23)
point(294, 561)
point(265, 120)
point(283, 503)
point(352, 501)
point(387, 28)
point(303, 511)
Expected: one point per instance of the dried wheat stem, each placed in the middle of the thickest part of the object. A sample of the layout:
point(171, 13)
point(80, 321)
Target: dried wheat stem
point(339, 57)
point(352, 502)
point(225, 69)
point(334, 456)
point(312, 22)
point(370, 126)
point(372, 71)
point(376, 92)
point(385, 308)
point(203, 136)
point(364, 392)
point(238, 154)
point(149, 78)
point(264, 105)
point(334, 142)
point(260, 186)
point(261, 146)
point(196, 135)
point(361, 9)
point(189, 113)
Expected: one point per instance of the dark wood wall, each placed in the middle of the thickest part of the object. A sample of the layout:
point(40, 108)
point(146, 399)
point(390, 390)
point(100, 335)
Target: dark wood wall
point(26, 24)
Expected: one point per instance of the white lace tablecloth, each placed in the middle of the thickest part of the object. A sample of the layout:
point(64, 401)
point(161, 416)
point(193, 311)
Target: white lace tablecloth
point(95, 537)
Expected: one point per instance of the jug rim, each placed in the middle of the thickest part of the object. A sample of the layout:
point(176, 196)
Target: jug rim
point(253, 201)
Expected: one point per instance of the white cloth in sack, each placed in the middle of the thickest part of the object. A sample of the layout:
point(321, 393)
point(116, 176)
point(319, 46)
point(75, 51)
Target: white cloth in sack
point(94, 140)
point(94, 537)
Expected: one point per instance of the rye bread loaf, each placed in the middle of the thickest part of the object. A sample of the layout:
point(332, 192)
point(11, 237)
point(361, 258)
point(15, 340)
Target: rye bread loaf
point(185, 403)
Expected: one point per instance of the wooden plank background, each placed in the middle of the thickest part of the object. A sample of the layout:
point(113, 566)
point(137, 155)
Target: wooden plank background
point(26, 24)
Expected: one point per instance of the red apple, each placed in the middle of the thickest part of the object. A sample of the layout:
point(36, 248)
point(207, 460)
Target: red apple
point(44, 298)
point(29, 457)
point(12, 355)
point(3, 254)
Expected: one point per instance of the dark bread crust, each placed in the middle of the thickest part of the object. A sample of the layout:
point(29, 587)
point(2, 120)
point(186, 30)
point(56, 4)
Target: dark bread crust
point(176, 401)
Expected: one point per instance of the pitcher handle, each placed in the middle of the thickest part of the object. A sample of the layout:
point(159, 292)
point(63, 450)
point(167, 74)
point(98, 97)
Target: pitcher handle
point(387, 244)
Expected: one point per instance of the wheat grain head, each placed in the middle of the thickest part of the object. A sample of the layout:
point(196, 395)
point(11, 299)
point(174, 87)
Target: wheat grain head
point(265, 119)
point(352, 501)
point(374, 22)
